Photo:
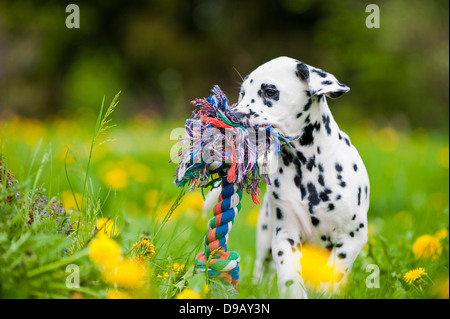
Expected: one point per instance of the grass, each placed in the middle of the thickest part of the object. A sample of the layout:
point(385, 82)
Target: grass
point(126, 176)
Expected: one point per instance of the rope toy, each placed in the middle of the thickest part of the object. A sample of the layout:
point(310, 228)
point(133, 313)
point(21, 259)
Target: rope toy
point(218, 146)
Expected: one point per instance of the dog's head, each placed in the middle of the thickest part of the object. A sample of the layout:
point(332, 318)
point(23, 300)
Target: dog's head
point(282, 92)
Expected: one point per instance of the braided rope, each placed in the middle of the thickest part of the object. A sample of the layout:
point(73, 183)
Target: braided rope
point(216, 259)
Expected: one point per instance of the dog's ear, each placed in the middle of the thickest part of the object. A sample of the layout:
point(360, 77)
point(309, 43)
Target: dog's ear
point(320, 82)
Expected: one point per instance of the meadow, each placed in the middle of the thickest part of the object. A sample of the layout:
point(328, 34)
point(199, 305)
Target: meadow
point(81, 190)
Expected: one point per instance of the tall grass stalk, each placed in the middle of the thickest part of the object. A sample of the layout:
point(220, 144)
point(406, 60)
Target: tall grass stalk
point(101, 127)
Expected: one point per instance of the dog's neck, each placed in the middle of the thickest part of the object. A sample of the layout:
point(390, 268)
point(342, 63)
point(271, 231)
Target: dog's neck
point(319, 130)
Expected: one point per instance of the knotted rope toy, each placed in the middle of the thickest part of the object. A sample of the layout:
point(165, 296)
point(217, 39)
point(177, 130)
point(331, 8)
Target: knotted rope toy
point(219, 146)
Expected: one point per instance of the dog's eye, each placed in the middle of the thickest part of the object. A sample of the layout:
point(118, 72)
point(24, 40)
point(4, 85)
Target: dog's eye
point(271, 92)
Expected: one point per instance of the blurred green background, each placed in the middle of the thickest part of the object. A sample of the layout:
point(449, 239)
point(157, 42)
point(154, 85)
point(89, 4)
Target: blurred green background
point(164, 53)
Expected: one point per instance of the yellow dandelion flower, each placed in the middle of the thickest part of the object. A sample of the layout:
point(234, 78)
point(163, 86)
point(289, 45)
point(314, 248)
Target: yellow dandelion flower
point(177, 267)
point(314, 266)
point(163, 276)
point(104, 251)
point(107, 227)
point(441, 234)
point(413, 275)
point(144, 248)
point(117, 178)
point(427, 246)
point(117, 294)
point(128, 273)
point(188, 294)
point(151, 251)
point(140, 259)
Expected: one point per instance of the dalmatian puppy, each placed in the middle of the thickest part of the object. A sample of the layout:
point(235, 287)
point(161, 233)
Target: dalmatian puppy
point(319, 193)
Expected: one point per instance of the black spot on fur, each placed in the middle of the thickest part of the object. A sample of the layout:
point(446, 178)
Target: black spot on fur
point(352, 234)
point(355, 167)
point(302, 191)
point(311, 163)
point(321, 181)
point(267, 103)
point(280, 253)
point(338, 167)
point(319, 72)
point(318, 150)
point(320, 168)
point(252, 101)
point(297, 180)
point(313, 196)
point(287, 156)
point(342, 184)
point(327, 82)
point(264, 227)
point(291, 241)
point(330, 207)
point(326, 122)
point(354, 216)
point(315, 221)
point(307, 105)
point(359, 196)
point(323, 196)
point(298, 115)
point(342, 255)
point(279, 213)
point(361, 225)
point(275, 195)
point(301, 157)
point(308, 132)
point(302, 71)
point(276, 182)
point(347, 141)
point(278, 230)
point(308, 119)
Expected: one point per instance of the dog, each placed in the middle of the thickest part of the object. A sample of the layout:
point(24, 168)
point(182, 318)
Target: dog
point(320, 191)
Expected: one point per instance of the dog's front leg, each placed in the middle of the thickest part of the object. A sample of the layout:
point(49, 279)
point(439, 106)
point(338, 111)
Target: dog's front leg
point(286, 254)
point(264, 261)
